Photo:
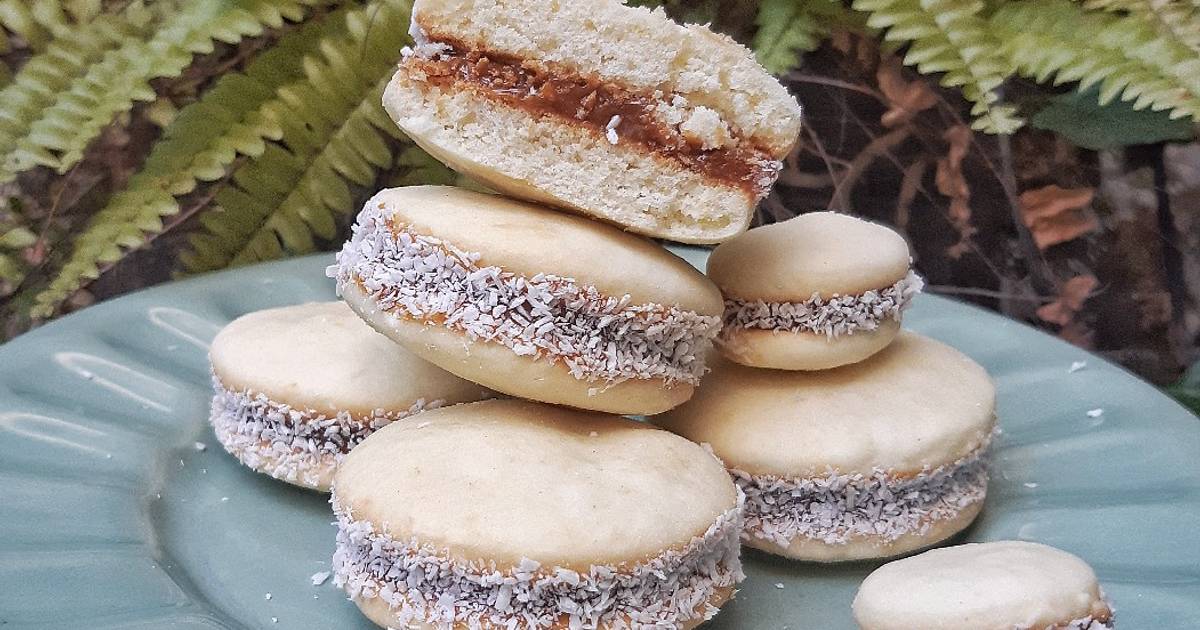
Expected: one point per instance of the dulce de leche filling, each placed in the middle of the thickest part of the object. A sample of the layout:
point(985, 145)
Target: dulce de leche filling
point(544, 88)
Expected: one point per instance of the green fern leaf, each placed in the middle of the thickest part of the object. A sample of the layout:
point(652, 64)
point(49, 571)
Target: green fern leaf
point(1172, 19)
point(788, 27)
point(1128, 58)
point(950, 37)
point(62, 130)
point(231, 119)
point(335, 136)
point(47, 75)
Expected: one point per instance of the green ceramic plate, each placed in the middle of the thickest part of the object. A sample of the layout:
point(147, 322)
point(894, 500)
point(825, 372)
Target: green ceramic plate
point(110, 516)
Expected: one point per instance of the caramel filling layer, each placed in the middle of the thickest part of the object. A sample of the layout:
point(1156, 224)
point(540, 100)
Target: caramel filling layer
point(610, 109)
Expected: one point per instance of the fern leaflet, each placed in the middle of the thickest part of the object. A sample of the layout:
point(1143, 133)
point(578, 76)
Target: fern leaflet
point(1129, 59)
point(951, 37)
point(788, 27)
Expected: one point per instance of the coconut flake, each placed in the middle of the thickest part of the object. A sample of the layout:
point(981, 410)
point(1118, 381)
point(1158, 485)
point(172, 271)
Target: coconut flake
point(610, 130)
point(298, 445)
point(835, 507)
point(546, 317)
point(839, 315)
point(423, 584)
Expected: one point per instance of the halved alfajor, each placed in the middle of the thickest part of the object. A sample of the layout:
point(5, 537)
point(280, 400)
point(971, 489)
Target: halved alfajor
point(514, 514)
point(1008, 585)
point(813, 292)
point(613, 111)
point(528, 301)
point(869, 460)
point(297, 387)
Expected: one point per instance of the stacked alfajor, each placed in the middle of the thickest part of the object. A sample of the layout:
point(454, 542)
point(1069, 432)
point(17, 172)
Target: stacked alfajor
point(550, 510)
point(850, 438)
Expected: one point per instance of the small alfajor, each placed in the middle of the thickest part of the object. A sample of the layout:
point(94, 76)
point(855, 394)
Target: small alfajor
point(528, 301)
point(609, 110)
point(297, 387)
point(1006, 585)
point(870, 460)
point(813, 292)
point(515, 514)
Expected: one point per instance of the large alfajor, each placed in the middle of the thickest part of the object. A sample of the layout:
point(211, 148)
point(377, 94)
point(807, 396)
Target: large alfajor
point(869, 460)
point(813, 292)
point(514, 514)
point(613, 111)
point(1008, 585)
point(297, 387)
point(530, 302)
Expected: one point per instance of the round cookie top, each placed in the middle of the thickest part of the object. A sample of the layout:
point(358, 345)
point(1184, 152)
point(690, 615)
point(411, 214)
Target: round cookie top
point(916, 403)
point(980, 586)
point(528, 239)
point(820, 252)
point(503, 480)
point(321, 356)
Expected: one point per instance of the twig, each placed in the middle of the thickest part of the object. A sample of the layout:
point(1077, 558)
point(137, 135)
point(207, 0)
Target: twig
point(845, 85)
point(1000, 295)
point(1008, 181)
point(878, 146)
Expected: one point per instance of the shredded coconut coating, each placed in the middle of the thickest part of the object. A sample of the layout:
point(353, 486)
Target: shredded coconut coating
point(835, 507)
point(1091, 622)
point(598, 338)
point(839, 315)
point(422, 584)
point(1087, 623)
point(294, 445)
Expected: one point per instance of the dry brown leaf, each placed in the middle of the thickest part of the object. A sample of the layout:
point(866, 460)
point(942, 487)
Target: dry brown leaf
point(951, 183)
point(1072, 295)
point(1056, 215)
point(905, 98)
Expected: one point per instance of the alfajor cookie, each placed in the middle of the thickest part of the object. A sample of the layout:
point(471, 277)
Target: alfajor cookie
point(528, 301)
point(297, 387)
point(813, 292)
point(869, 460)
point(514, 514)
point(612, 111)
point(1006, 585)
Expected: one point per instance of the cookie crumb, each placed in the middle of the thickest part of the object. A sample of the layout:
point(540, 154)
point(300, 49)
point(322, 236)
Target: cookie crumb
point(779, 585)
point(1095, 413)
point(319, 578)
point(200, 446)
point(267, 597)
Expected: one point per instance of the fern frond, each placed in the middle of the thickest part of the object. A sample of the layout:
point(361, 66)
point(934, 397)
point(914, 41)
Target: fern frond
point(62, 131)
point(38, 22)
point(1174, 19)
point(204, 139)
point(48, 74)
point(788, 27)
point(950, 37)
point(1127, 58)
point(336, 135)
